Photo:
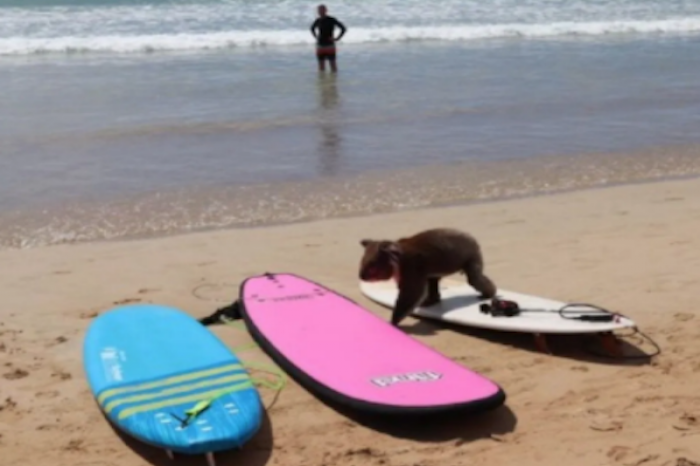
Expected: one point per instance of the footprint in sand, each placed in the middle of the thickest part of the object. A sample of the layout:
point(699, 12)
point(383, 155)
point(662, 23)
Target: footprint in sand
point(687, 422)
point(57, 341)
point(606, 425)
point(47, 394)
point(148, 290)
point(15, 374)
point(664, 367)
point(618, 453)
point(644, 460)
point(11, 332)
point(75, 445)
point(8, 405)
point(127, 301)
point(62, 375)
point(366, 452)
point(681, 242)
point(683, 316)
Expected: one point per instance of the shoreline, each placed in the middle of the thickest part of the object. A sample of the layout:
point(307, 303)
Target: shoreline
point(418, 209)
point(378, 192)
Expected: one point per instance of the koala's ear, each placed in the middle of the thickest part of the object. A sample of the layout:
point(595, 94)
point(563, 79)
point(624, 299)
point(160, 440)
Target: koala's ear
point(366, 242)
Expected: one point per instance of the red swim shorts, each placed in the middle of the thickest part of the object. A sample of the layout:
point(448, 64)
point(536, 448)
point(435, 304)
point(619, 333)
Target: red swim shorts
point(326, 52)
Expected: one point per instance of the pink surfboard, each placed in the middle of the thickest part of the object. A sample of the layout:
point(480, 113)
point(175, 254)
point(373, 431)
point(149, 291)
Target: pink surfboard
point(336, 348)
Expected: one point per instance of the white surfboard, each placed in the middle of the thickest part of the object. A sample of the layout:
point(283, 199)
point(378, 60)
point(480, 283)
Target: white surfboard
point(460, 305)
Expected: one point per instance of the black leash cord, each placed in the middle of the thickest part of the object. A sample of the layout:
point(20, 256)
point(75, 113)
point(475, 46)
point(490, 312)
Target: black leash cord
point(505, 308)
point(596, 314)
point(636, 331)
point(600, 314)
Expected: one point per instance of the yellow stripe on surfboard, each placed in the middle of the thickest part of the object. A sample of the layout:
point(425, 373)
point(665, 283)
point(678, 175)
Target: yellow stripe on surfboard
point(171, 391)
point(183, 399)
point(167, 381)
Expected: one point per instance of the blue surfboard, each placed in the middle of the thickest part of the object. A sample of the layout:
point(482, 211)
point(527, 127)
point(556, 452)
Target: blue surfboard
point(165, 379)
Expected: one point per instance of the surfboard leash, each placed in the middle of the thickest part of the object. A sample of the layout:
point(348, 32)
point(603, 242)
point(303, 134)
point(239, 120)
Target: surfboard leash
point(230, 315)
point(636, 332)
point(277, 385)
point(506, 308)
point(201, 406)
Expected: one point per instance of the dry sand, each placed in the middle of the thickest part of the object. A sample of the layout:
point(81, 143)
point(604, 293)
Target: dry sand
point(634, 249)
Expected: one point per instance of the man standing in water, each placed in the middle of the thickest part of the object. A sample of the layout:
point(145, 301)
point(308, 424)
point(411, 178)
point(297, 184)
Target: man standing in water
point(325, 41)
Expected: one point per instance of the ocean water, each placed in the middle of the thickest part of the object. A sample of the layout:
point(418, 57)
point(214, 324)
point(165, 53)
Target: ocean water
point(125, 118)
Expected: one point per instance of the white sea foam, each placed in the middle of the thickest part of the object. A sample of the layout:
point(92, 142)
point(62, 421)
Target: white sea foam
point(123, 26)
point(266, 38)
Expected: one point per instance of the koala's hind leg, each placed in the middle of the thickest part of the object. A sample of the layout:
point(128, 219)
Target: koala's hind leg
point(433, 295)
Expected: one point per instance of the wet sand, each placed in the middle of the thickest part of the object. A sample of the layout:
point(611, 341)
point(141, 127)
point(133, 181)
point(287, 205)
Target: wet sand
point(225, 205)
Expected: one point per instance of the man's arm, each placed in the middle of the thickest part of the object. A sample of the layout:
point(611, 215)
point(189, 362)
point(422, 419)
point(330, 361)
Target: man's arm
point(342, 29)
point(313, 28)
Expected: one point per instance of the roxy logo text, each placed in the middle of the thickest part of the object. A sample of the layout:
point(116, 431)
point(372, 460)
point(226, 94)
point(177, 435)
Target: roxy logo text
point(389, 380)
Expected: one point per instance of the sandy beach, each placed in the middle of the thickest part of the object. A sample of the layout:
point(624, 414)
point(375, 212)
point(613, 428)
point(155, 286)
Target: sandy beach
point(633, 249)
